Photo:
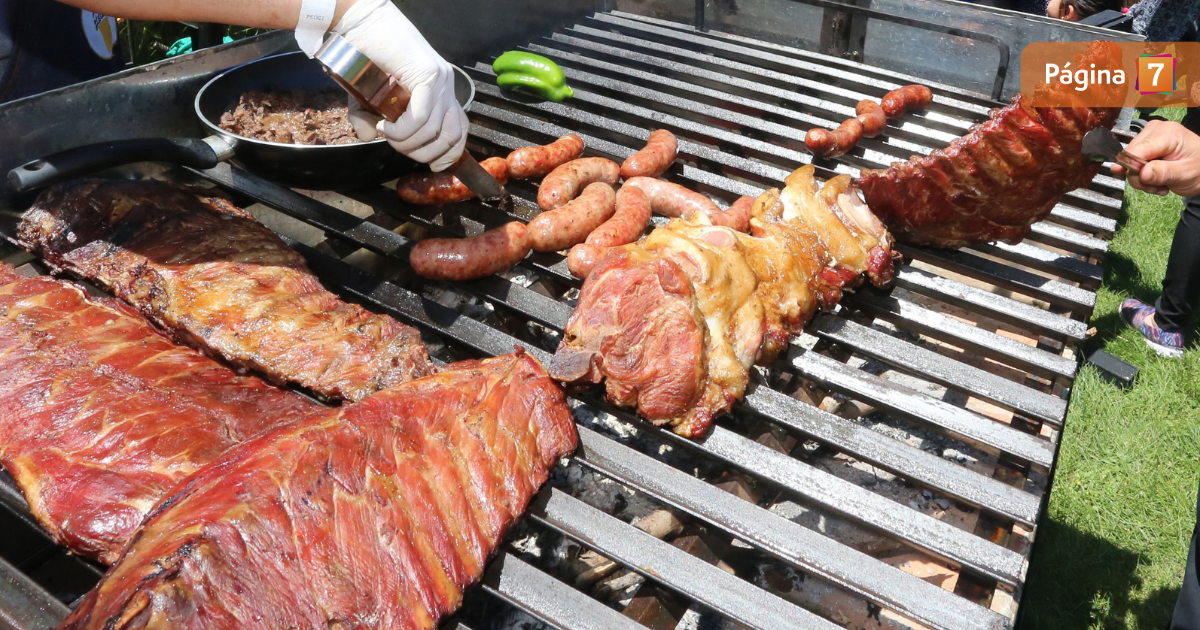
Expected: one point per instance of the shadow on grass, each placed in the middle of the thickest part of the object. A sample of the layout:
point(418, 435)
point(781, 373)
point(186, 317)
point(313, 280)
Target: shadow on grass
point(1079, 581)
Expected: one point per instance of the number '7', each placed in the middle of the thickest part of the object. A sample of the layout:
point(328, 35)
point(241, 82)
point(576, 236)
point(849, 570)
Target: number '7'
point(1157, 67)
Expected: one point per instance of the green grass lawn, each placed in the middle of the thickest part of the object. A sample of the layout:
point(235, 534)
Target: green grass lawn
point(1110, 553)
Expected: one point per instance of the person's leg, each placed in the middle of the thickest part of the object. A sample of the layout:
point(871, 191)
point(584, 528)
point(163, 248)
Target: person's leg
point(1187, 607)
point(1181, 285)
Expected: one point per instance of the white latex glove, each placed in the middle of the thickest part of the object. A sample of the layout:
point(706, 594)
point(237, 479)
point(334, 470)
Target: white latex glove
point(434, 127)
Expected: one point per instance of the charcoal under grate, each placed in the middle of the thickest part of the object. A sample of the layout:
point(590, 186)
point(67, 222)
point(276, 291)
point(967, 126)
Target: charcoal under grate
point(888, 472)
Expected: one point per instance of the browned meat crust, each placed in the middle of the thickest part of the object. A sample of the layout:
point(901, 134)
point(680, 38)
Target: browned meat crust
point(100, 415)
point(375, 515)
point(213, 277)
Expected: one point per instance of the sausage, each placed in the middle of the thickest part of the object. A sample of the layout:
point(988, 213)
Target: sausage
point(571, 224)
point(826, 143)
point(737, 216)
point(464, 259)
point(673, 200)
point(426, 189)
point(530, 162)
point(654, 159)
point(627, 224)
point(583, 258)
point(870, 114)
point(565, 182)
point(896, 102)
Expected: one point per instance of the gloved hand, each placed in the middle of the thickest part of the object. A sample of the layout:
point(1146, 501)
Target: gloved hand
point(434, 127)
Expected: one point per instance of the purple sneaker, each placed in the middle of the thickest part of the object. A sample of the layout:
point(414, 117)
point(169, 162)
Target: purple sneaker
point(1167, 344)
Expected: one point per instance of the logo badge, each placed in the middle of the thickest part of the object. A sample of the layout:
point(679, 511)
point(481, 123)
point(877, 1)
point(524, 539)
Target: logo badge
point(1156, 74)
point(101, 32)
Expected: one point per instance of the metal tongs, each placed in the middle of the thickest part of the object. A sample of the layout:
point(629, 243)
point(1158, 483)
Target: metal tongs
point(381, 95)
point(1100, 145)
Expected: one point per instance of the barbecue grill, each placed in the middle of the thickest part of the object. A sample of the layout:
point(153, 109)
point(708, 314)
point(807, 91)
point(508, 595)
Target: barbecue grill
point(888, 472)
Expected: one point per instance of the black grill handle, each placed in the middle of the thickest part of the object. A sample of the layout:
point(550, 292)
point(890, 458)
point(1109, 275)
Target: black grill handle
point(91, 158)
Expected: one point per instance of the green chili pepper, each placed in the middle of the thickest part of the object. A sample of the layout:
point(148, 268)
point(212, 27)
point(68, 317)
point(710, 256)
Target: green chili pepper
point(532, 73)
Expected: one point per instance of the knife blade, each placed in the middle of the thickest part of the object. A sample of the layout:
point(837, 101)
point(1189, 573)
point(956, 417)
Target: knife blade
point(379, 94)
point(1101, 145)
point(481, 182)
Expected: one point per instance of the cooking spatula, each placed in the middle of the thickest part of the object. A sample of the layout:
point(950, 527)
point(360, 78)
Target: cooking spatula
point(1101, 145)
point(379, 94)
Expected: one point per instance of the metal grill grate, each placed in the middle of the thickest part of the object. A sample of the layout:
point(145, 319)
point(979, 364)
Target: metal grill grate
point(973, 349)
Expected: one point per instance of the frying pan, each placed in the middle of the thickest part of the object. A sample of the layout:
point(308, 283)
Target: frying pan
point(313, 167)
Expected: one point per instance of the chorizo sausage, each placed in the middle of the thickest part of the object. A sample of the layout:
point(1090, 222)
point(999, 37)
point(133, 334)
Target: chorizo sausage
point(737, 216)
point(571, 224)
point(654, 159)
point(566, 181)
point(583, 258)
point(870, 114)
point(826, 143)
point(530, 162)
point(627, 223)
point(672, 200)
point(909, 97)
point(426, 189)
point(464, 259)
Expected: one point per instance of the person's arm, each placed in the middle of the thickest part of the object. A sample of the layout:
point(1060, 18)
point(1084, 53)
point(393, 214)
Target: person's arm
point(434, 127)
point(1172, 153)
point(256, 13)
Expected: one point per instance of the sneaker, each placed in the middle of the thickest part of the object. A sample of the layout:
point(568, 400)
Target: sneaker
point(1167, 344)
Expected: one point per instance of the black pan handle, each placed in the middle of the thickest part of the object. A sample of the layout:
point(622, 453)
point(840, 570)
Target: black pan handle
point(90, 158)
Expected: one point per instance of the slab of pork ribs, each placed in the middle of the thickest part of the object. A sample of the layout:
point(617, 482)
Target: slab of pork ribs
point(213, 277)
point(375, 515)
point(995, 182)
point(101, 415)
point(672, 324)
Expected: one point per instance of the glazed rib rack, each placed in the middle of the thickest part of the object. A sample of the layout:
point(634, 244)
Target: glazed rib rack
point(891, 469)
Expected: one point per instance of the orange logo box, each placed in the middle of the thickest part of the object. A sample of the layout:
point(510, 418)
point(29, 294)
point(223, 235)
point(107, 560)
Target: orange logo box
point(1110, 74)
point(1156, 74)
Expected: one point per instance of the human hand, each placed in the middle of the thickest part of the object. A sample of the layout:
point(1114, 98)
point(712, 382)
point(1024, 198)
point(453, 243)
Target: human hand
point(433, 128)
point(1172, 154)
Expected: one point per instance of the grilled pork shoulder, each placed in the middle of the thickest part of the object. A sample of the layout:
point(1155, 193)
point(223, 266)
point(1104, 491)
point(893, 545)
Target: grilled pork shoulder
point(374, 515)
point(672, 324)
point(215, 278)
point(101, 415)
point(994, 183)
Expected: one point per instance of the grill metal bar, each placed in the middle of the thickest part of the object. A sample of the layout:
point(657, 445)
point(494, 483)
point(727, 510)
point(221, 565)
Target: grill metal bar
point(862, 86)
point(994, 306)
point(899, 309)
point(892, 455)
point(970, 426)
point(850, 500)
point(943, 370)
point(875, 75)
point(24, 605)
point(1004, 276)
point(538, 594)
point(786, 540)
point(657, 560)
point(1085, 273)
